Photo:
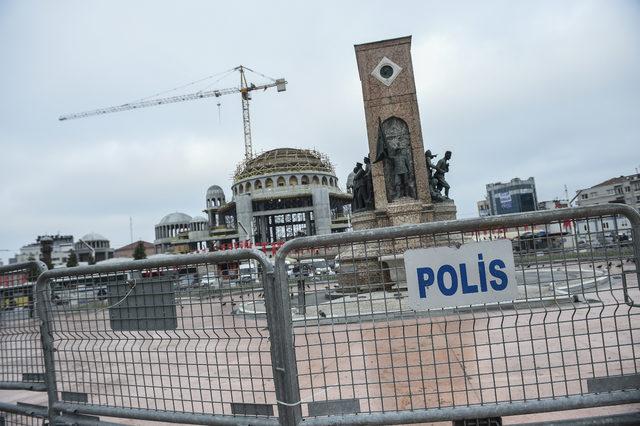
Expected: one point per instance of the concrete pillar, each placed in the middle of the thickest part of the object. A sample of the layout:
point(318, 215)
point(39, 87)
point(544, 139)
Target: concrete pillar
point(244, 216)
point(264, 229)
point(307, 220)
point(321, 210)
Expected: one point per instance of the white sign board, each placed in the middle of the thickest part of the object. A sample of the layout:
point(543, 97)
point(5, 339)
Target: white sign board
point(479, 272)
point(505, 200)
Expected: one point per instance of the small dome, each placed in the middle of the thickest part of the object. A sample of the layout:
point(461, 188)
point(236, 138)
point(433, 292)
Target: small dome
point(215, 191)
point(93, 236)
point(175, 218)
point(198, 219)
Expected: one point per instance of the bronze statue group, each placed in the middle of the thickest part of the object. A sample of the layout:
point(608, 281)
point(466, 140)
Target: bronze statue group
point(360, 182)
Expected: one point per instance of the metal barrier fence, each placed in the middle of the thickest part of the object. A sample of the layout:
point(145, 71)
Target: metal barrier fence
point(223, 338)
point(21, 362)
point(22, 414)
point(167, 340)
point(571, 339)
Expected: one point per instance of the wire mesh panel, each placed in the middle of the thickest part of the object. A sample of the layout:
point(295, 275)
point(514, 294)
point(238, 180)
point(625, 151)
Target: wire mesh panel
point(572, 329)
point(179, 335)
point(21, 361)
point(15, 419)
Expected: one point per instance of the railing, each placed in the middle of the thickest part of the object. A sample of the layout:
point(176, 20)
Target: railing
point(21, 363)
point(179, 340)
point(569, 340)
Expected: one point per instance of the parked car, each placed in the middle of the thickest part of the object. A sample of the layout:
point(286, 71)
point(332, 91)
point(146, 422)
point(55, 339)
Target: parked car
point(317, 267)
point(247, 273)
point(210, 280)
point(187, 281)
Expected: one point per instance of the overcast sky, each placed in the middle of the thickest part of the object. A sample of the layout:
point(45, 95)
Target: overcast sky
point(514, 89)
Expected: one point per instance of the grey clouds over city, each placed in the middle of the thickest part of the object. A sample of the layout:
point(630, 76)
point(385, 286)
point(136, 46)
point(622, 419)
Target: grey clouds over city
point(543, 89)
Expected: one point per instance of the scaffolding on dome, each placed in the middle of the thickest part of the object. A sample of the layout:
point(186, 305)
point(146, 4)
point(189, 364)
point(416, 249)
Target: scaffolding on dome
point(283, 160)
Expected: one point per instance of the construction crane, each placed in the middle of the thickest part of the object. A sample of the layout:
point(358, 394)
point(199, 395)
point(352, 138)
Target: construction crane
point(245, 90)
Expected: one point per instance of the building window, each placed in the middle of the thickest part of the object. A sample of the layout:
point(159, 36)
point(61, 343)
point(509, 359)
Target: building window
point(304, 180)
point(324, 180)
point(315, 180)
point(605, 225)
point(584, 196)
point(627, 189)
point(268, 183)
point(293, 181)
point(257, 184)
point(248, 187)
point(281, 181)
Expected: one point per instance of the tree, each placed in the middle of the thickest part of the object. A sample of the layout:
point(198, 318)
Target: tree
point(139, 252)
point(72, 260)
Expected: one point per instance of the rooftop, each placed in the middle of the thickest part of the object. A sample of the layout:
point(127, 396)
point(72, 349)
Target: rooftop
point(283, 160)
point(93, 236)
point(175, 218)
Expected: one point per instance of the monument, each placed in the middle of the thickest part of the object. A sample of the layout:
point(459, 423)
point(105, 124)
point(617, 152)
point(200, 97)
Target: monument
point(405, 186)
point(401, 182)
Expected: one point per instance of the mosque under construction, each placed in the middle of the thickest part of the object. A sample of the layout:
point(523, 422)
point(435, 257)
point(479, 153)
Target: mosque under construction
point(275, 196)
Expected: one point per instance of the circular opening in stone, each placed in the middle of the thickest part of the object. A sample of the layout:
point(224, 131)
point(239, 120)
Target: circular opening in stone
point(386, 71)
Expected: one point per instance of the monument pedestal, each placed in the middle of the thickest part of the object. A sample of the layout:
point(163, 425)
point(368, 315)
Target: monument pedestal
point(445, 210)
point(364, 220)
point(404, 211)
point(379, 265)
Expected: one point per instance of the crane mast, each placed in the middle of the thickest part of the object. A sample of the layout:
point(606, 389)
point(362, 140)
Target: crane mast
point(245, 90)
point(246, 121)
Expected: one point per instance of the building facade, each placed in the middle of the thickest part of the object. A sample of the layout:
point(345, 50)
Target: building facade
point(516, 196)
point(553, 204)
point(127, 251)
point(618, 190)
point(62, 245)
point(483, 208)
point(622, 190)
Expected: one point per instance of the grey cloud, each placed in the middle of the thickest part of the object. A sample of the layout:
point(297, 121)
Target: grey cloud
point(545, 89)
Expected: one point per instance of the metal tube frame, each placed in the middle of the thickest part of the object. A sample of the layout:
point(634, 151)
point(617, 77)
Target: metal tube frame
point(415, 230)
point(24, 410)
point(39, 267)
point(279, 321)
point(56, 407)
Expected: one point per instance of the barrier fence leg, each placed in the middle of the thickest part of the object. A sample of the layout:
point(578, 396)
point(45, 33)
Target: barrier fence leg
point(43, 297)
point(283, 359)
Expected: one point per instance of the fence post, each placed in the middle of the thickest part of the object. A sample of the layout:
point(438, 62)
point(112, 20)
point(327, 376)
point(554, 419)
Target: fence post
point(285, 372)
point(43, 297)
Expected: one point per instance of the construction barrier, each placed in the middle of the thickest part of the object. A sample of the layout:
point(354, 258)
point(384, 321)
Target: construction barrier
point(388, 346)
point(468, 319)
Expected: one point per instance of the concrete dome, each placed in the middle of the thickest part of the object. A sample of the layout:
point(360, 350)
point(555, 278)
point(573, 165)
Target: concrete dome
point(175, 218)
point(93, 236)
point(215, 191)
point(285, 160)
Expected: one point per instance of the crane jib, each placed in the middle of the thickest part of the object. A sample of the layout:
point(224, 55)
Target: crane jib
point(244, 90)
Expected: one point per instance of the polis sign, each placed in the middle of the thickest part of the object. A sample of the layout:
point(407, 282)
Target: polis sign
point(478, 272)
